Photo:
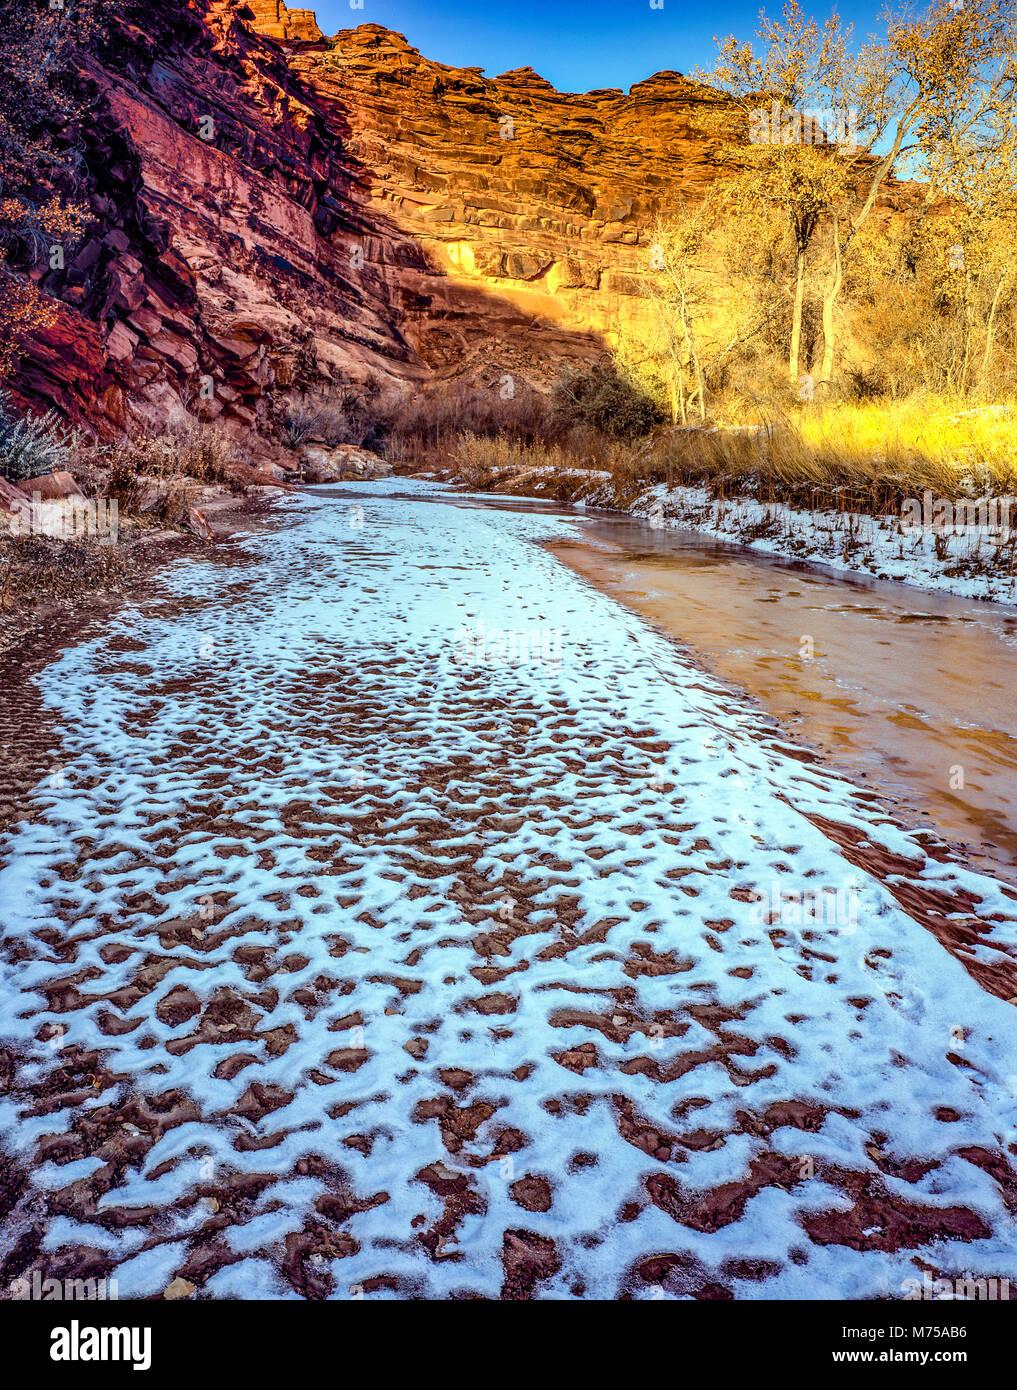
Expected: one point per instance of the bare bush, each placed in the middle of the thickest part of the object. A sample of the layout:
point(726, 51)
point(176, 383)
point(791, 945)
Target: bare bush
point(38, 567)
point(349, 415)
point(298, 423)
point(194, 449)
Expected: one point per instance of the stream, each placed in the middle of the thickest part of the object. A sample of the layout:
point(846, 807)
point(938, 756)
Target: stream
point(912, 692)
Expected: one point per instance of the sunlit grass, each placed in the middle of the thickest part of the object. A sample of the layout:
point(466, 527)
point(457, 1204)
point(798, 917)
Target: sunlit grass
point(482, 461)
point(867, 456)
point(870, 454)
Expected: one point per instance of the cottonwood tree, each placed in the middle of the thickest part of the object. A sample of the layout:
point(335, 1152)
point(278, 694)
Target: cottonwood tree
point(674, 290)
point(921, 99)
point(787, 165)
point(787, 191)
point(975, 170)
point(922, 291)
point(938, 91)
point(698, 282)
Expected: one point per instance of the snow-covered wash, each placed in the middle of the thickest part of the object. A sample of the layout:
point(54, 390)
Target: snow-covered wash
point(536, 644)
point(499, 1014)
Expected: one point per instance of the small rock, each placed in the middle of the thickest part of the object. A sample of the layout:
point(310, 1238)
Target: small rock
point(51, 487)
point(197, 523)
point(179, 1288)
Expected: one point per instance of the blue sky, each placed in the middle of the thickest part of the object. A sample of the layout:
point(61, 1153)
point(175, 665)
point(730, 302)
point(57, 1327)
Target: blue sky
point(575, 44)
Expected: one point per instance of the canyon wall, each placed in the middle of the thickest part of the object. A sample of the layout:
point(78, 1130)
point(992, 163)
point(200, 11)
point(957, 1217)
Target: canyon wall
point(531, 207)
point(271, 17)
point(278, 213)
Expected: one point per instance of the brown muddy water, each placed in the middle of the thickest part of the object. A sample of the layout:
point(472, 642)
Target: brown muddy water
point(913, 694)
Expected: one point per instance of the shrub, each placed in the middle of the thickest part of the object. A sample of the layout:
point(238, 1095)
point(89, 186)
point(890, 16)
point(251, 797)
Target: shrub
point(298, 424)
point(34, 568)
point(603, 399)
point(195, 449)
point(343, 418)
point(423, 425)
point(202, 451)
point(23, 310)
point(122, 480)
point(124, 468)
point(30, 445)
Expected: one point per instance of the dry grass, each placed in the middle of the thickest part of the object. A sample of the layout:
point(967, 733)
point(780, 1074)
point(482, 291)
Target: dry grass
point(864, 456)
point(33, 568)
point(200, 451)
point(481, 461)
point(868, 456)
point(424, 428)
point(552, 470)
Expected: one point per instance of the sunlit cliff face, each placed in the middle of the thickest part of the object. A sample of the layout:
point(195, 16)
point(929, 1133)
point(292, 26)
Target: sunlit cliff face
point(545, 200)
point(274, 19)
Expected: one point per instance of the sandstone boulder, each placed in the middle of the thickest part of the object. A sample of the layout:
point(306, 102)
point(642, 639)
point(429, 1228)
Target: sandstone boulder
point(51, 487)
point(151, 495)
point(172, 498)
point(246, 475)
point(319, 466)
point(341, 463)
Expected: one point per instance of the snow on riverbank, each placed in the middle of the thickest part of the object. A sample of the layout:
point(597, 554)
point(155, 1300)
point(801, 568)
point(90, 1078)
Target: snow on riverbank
point(852, 541)
point(970, 564)
point(362, 948)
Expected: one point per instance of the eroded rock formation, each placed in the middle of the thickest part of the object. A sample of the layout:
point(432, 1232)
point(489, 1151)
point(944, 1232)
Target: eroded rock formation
point(275, 213)
point(271, 17)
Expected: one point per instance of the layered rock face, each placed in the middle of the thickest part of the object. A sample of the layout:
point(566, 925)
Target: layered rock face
point(216, 274)
point(271, 17)
point(532, 208)
point(278, 214)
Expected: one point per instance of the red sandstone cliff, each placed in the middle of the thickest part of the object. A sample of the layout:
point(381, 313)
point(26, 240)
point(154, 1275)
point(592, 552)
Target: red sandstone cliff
point(273, 212)
point(272, 17)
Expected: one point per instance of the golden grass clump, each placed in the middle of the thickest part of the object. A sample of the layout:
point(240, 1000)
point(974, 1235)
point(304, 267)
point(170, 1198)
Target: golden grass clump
point(561, 471)
point(868, 455)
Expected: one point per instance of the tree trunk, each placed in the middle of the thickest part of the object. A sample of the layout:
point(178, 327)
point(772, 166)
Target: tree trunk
point(697, 369)
point(796, 317)
point(878, 179)
point(700, 386)
point(969, 329)
point(990, 327)
point(829, 306)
